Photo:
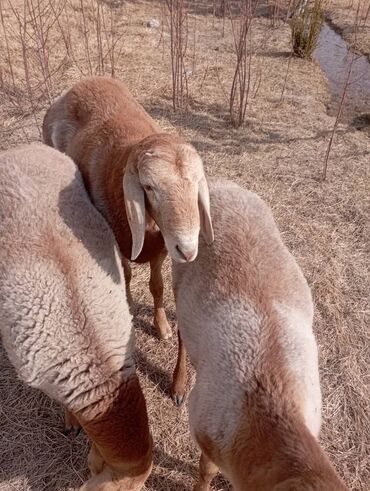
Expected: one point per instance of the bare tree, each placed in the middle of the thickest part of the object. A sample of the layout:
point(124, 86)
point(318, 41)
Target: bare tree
point(240, 88)
point(178, 24)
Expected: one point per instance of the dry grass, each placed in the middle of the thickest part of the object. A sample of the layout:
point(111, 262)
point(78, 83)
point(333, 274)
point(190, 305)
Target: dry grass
point(306, 26)
point(342, 15)
point(279, 154)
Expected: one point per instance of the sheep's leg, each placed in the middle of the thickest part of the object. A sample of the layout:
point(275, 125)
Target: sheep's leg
point(71, 425)
point(179, 375)
point(156, 289)
point(120, 457)
point(95, 460)
point(128, 276)
point(207, 471)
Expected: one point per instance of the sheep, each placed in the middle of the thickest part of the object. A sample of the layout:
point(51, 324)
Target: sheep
point(64, 322)
point(150, 186)
point(245, 317)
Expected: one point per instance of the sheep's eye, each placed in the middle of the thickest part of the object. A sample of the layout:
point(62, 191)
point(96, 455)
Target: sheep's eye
point(148, 188)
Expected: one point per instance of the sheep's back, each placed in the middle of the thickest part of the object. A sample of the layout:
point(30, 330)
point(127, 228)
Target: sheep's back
point(244, 306)
point(64, 320)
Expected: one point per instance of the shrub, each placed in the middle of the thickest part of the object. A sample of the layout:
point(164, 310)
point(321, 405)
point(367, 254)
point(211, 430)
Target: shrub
point(306, 24)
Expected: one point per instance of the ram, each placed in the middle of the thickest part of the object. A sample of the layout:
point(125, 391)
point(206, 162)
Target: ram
point(245, 317)
point(150, 186)
point(64, 322)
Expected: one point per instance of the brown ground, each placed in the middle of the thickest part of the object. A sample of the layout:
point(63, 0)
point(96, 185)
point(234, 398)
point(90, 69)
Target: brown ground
point(342, 16)
point(279, 154)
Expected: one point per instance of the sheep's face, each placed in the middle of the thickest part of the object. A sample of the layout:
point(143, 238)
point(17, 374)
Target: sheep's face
point(165, 179)
point(171, 184)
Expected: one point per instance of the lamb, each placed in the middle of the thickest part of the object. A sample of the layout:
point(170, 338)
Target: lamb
point(150, 186)
point(245, 316)
point(64, 322)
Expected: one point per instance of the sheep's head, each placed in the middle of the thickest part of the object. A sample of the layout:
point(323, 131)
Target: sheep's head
point(164, 177)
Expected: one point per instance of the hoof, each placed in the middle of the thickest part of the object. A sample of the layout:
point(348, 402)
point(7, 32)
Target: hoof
point(164, 332)
point(178, 399)
point(72, 431)
point(165, 335)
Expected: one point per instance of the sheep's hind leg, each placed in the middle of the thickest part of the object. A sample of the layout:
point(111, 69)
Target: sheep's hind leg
point(207, 471)
point(156, 289)
point(179, 375)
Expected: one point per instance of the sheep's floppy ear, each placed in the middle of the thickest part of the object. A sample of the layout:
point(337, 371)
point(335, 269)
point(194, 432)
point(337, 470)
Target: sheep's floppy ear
point(206, 228)
point(135, 209)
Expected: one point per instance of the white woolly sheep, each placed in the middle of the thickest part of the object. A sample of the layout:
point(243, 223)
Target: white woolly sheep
point(144, 182)
point(64, 322)
point(245, 316)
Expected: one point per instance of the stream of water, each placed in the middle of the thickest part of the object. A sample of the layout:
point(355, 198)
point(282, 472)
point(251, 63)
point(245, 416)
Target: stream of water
point(335, 58)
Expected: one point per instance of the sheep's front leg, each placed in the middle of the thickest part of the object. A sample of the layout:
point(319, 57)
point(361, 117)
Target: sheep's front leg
point(207, 471)
point(156, 289)
point(71, 425)
point(128, 275)
point(179, 375)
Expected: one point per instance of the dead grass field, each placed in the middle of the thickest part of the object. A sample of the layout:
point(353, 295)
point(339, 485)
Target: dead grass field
point(279, 154)
point(342, 16)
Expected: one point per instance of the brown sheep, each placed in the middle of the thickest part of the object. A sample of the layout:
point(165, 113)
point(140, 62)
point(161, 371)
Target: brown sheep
point(150, 186)
point(64, 322)
point(245, 316)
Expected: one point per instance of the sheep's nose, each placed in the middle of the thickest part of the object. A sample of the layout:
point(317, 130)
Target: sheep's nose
point(187, 254)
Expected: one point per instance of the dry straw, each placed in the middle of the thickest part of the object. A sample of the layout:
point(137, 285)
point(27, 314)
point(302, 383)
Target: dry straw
point(278, 153)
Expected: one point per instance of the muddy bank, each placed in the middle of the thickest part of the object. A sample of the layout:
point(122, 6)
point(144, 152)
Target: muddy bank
point(341, 16)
